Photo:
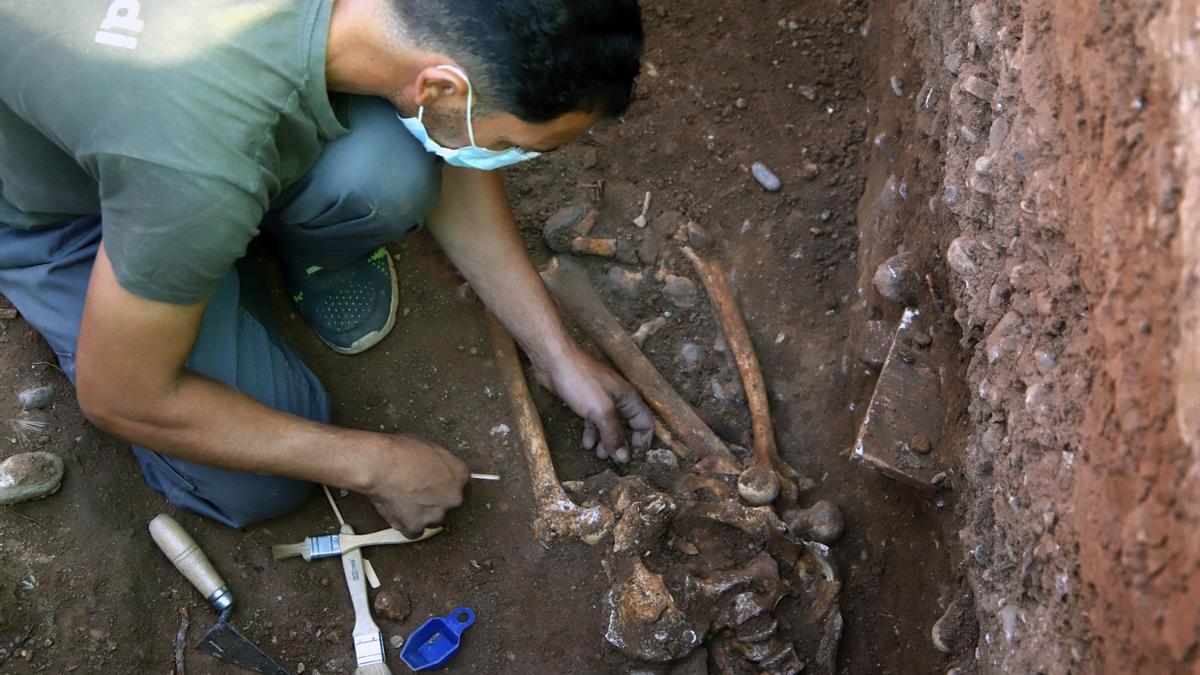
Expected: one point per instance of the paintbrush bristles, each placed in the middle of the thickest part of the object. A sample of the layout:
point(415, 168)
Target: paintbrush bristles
point(281, 551)
point(373, 669)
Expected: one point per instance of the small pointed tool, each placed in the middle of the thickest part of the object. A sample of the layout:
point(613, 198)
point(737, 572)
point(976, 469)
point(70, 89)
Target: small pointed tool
point(437, 640)
point(223, 640)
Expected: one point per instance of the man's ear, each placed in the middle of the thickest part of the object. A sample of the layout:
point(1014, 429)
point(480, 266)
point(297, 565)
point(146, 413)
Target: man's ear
point(435, 84)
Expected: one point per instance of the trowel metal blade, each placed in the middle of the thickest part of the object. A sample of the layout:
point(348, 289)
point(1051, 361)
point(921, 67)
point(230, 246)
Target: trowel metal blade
point(226, 643)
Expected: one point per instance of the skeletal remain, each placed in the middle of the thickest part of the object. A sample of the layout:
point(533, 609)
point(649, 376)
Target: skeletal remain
point(568, 282)
point(689, 560)
point(557, 516)
point(645, 514)
point(648, 329)
point(822, 522)
point(767, 475)
point(644, 619)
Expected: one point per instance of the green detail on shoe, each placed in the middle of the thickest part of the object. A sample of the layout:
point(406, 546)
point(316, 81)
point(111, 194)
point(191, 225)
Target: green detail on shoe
point(298, 298)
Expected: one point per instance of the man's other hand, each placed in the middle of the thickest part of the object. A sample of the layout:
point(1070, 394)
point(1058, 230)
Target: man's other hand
point(606, 402)
point(414, 482)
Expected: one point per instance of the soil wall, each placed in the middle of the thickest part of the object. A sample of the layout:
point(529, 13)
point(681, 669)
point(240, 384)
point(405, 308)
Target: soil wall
point(1046, 152)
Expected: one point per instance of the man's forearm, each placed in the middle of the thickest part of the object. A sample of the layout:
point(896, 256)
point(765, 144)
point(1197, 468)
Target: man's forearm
point(203, 421)
point(131, 382)
point(474, 225)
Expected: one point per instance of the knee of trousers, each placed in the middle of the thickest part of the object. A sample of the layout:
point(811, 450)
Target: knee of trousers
point(379, 172)
point(397, 198)
point(278, 497)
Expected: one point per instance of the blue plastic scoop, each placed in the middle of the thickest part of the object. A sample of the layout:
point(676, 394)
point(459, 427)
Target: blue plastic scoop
point(436, 641)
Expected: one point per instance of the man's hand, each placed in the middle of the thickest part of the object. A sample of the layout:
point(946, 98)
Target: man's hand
point(475, 227)
point(414, 482)
point(604, 400)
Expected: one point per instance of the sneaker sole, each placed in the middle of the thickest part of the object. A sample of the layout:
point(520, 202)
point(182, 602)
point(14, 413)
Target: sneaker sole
point(375, 337)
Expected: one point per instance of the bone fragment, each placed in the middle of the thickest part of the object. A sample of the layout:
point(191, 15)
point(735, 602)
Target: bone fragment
point(645, 515)
point(644, 620)
point(768, 475)
point(648, 329)
point(557, 516)
point(568, 282)
point(605, 248)
point(822, 522)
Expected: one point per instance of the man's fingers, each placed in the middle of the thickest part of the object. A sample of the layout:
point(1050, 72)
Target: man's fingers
point(590, 435)
point(612, 434)
point(637, 414)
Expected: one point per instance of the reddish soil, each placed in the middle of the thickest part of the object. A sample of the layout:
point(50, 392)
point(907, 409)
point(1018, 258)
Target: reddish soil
point(1065, 325)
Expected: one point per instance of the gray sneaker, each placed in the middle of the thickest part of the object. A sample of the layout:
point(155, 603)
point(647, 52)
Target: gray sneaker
point(352, 308)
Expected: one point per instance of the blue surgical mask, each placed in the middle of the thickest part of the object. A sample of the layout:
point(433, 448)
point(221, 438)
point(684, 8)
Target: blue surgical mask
point(472, 156)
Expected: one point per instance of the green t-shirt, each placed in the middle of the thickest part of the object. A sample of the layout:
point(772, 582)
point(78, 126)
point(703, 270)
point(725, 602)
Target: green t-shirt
point(177, 121)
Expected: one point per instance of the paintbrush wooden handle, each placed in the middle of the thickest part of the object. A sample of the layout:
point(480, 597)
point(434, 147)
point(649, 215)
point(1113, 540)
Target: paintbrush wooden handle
point(356, 581)
point(368, 643)
point(187, 557)
point(382, 537)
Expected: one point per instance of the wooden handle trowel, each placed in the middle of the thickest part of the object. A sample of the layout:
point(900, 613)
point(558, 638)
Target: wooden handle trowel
point(223, 640)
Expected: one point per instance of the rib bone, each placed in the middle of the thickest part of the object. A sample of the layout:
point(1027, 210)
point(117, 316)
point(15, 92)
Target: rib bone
point(557, 516)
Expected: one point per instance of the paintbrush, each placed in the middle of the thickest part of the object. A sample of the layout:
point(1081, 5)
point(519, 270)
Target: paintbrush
point(368, 641)
point(333, 545)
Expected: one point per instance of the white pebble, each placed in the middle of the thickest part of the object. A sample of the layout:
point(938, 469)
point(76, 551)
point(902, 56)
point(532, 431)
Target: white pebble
point(765, 177)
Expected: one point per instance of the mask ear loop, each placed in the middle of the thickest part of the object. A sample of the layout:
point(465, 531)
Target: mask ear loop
point(470, 101)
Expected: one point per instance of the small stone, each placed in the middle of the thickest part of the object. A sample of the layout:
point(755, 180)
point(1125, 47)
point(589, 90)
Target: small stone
point(690, 352)
point(899, 280)
point(396, 641)
point(625, 282)
point(662, 457)
point(807, 92)
point(897, 85)
point(300, 668)
point(950, 196)
point(958, 256)
point(681, 291)
point(740, 104)
point(30, 475)
point(590, 158)
point(36, 398)
point(647, 250)
point(8, 313)
point(765, 177)
point(942, 631)
point(391, 604)
point(1045, 362)
point(920, 445)
point(697, 236)
point(826, 215)
point(979, 88)
point(810, 171)
point(640, 221)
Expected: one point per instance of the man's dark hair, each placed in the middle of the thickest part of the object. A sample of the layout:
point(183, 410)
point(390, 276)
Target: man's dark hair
point(536, 59)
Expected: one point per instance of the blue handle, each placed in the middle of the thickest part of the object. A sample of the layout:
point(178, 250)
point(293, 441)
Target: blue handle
point(460, 619)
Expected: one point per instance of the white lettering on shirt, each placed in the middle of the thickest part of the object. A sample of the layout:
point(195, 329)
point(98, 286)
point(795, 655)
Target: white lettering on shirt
point(122, 16)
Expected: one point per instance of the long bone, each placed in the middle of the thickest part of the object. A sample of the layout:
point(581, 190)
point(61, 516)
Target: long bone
point(568, 282)
point(768, 475)
point(557, 516)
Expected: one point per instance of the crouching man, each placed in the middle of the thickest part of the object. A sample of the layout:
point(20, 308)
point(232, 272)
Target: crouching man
point(143, 145)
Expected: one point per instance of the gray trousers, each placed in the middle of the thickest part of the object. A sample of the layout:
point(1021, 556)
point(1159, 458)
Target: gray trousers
point(368, 188)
